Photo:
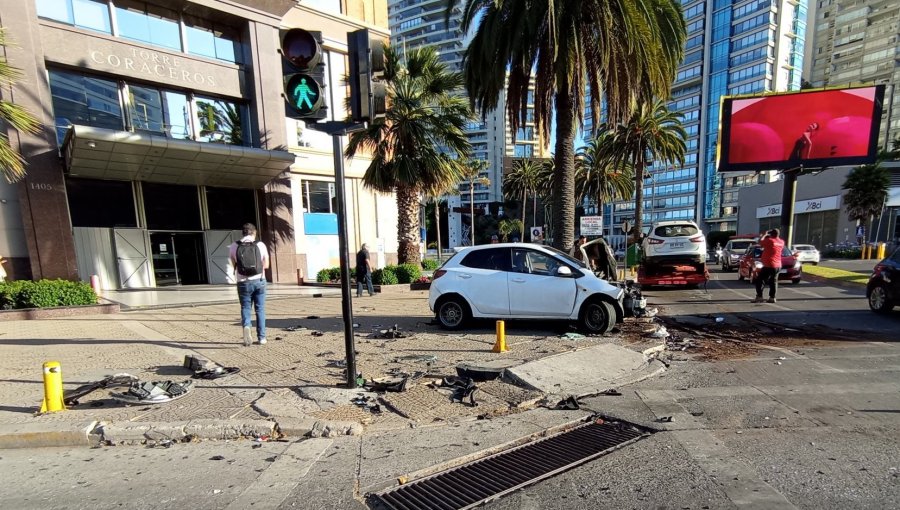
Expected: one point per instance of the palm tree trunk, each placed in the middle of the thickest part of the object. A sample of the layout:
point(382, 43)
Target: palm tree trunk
point(437, 225)
point(638, 194)
point(534, 209)
point(564, 177)
point(472, 211)
point(524, 201)
point(407, 224)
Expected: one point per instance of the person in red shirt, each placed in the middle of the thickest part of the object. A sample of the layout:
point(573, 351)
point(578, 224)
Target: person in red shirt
point(772, 247)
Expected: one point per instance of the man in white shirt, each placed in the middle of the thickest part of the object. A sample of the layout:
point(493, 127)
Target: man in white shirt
point(247, 261)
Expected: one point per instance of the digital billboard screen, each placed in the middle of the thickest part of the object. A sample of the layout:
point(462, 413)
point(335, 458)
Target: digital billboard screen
point(814, 129)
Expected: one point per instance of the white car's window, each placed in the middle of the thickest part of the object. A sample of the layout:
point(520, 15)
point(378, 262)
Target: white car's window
point(534, 262)
point(496, 259)
point(737, 246)
point(566, 257)
point(676, 231)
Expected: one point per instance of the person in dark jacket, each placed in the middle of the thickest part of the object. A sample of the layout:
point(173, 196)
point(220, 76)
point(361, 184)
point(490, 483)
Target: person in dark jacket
point(363, 271)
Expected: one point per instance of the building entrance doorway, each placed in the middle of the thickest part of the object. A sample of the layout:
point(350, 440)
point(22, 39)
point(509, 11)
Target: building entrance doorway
point(179, 258)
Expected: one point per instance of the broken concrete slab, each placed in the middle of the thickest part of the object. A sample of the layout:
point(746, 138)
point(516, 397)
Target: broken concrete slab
point(327, 398)
point(585, 371)
point(136, 432)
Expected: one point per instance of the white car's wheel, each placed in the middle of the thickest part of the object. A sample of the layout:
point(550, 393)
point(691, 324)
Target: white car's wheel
point(597, 317)
point(452, 313)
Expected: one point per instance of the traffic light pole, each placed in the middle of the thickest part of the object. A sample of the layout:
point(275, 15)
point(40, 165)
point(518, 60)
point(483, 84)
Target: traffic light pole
point(337, 130)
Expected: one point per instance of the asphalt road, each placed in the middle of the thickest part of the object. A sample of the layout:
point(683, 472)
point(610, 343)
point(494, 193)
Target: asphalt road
point(801, 423)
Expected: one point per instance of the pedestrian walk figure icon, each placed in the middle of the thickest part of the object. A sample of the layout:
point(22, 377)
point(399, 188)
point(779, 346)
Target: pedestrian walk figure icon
point(303, 94)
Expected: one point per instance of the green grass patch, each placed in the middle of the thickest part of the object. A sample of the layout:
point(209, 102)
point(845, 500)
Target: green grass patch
point(839, 275)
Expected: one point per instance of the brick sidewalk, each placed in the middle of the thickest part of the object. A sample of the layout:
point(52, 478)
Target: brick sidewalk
point(152, 344)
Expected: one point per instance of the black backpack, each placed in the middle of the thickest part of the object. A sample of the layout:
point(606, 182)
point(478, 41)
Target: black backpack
point(248, 259)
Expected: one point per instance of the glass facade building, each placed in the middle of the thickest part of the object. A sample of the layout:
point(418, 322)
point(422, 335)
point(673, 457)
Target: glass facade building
point(732, 48)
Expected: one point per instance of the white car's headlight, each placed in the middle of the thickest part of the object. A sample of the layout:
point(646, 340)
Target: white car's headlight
point(797, 264)
point(735, 256)
point(758, 265)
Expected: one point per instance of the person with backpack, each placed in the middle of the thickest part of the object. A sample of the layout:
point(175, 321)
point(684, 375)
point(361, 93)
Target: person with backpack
point(248, 259)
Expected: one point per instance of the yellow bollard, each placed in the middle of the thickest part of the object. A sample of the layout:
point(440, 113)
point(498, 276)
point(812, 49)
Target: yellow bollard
point(882, 248)
point(500, 344)
point(53, 389)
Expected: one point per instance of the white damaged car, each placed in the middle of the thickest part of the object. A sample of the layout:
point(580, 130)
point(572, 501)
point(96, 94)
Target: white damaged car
point(523, 281)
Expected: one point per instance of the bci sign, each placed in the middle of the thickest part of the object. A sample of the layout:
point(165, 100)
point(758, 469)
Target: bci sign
point(802, 206)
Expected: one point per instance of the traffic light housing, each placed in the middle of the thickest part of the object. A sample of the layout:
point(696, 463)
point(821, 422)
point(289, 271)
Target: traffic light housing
point(368, 95)
point(303, 73)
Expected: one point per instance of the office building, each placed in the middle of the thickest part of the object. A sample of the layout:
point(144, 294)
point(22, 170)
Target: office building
point(165, 131)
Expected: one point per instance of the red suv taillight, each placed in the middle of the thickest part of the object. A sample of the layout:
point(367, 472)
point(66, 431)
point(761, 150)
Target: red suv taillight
point(438, 274)
point(656, 241)
point(697, 239)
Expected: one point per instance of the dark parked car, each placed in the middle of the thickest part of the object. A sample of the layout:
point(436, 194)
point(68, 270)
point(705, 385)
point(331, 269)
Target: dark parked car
point(791, 269)
point(883, 289)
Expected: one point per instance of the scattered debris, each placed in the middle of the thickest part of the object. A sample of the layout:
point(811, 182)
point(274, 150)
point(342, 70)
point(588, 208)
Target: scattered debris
point(216, 373)
point(720, 320)
point(463, 387)
point(391, 333)
point(572, 336)
point(396, 384)
point(366, 403)
point(217, 457)
point(420, 358)
point(612, 392)
point(569, 403)
point(317, 333)
point(71, 397)
point(297, 327)
point(156, 392)
point(661, 332)
point(782, 358)
point(664, 419)
point(646, 312)
point(777, 362)
point(323, 354)
point(336, 363)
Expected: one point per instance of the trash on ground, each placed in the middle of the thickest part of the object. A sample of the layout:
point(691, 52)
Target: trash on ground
point(71, 397)
point(337, 363)
point(396, 384)
point(646, 312)
point(367, 403)
point(661, 332)
point(155, 392)
point(572, 336)
point(463, 388)
point(216, 373)
point(612, 392)
point(665, 419)
point(317, 333)
point(323, 354)
point(782, 358)
point(391, 333)
point(296, 327)
point(569, 403)
point(421, 358)
point(720, 319)
point(777, 362)
point(217, 457)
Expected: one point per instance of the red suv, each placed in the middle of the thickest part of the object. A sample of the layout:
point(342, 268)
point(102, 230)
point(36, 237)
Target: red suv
point(791, 269)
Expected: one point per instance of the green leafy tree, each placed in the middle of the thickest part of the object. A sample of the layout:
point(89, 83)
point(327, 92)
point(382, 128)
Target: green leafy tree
point(867, 187)
point(419, 145)
point(15, 116)
point(621, 52)
point(522, 180)
point(651, 133)
point(508, 227)
point(599, 176)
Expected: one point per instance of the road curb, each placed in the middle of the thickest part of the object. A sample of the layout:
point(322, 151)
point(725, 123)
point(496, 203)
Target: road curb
point(832, 281)
point(141, 432)
point(45, 435)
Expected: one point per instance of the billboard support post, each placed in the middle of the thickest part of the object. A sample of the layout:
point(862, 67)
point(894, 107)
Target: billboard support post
point(788, 195)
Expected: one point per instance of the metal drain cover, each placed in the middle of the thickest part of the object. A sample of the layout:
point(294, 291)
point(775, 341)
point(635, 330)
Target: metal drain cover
point(474, 483)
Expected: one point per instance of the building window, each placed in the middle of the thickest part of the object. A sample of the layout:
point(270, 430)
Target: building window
point(148, 23)
point(218, 121)
point(230, 208)
point(101, 204)
point(171, 207)
point(213, 41)
point(84, 100)
point(523, 151)
point(145, 108)
point(91, 14)
point(318, 197)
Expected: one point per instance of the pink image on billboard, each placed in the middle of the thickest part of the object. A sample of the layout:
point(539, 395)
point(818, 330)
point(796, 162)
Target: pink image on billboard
point(810, 129)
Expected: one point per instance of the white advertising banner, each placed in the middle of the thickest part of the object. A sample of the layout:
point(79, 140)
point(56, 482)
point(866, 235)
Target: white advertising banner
point(802, 206)
point(592, 225)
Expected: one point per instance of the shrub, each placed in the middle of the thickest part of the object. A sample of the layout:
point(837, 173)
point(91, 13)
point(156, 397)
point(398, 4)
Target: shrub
point(430, 264)
point(408, 273)
point(45, 293)
point(324, 275)
point(385, 276)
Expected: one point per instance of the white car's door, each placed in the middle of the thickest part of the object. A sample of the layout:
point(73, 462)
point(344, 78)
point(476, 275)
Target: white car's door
point(534, 288)
point(482, 279)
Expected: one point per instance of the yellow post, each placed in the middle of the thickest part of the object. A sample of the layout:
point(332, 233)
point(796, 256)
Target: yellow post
point(862, 252)
point(882, 247)
point(53, 389)
point(500, 344)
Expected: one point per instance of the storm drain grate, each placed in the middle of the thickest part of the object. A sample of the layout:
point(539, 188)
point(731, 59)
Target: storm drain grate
point(485, 479)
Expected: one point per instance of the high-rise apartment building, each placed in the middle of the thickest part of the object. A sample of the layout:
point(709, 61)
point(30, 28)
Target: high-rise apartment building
point(420, 23)
point(855, 42)
point(732, 48)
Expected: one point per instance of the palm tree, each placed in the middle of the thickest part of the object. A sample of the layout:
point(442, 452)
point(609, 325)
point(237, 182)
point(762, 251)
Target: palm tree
point(652, 133)
point(598, 175)
point(621, 51)
point(867, 187)
point(521, 180)
point(472, 175)
point(11, 162)
point(418, 146)
point(507, 227)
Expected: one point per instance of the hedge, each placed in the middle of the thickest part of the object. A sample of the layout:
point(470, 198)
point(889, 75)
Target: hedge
point(430, 264)
point(385, 276)
point(408, 273)
point(45, 293)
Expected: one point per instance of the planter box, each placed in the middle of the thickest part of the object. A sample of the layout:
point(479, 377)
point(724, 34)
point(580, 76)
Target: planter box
point(56, 312)
point(420, 286)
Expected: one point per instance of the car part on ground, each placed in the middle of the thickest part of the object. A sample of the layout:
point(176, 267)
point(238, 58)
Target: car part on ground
point(70, 398)
point(155, 392)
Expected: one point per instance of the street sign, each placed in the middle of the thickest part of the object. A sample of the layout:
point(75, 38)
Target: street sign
point(626, 226)
point(537, 234)
point(592, 225)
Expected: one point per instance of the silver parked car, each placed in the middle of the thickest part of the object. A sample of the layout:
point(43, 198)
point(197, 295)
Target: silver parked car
point(806, 253)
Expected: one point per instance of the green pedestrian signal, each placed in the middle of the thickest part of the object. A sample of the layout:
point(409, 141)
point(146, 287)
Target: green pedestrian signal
point(303, 73)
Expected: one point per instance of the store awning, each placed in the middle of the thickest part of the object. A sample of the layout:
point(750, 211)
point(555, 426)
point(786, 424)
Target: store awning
point(121, 155)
